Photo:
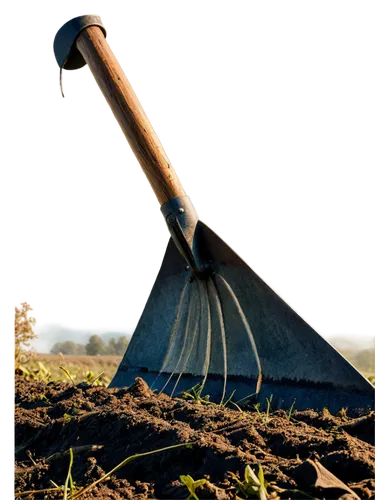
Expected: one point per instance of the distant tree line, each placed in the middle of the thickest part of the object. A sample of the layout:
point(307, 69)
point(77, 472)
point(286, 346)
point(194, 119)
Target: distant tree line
point(96, 346)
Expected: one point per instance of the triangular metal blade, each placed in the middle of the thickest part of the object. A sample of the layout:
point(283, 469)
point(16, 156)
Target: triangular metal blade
point(261, 332)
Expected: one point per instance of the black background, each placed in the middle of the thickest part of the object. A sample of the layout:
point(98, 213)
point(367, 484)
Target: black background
point(269, 121)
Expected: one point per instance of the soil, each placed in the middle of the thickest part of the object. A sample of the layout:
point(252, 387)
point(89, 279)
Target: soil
point(105, 426)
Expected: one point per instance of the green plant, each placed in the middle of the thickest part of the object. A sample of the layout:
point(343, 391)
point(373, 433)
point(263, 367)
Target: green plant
point(291, 409)
point(44, 398)
point(77, 493)
point(252, 485)
point(256, 486)
point(236, 406)
point(67, 418)
point(69, 479)
point(125, 462)
point(264, 417)
point(257, 409)
point(92, 380)
point(192, 485)
point(70, 377)
point(225, 402)
point(40, 374)
point(195, 394)
point(268, 411)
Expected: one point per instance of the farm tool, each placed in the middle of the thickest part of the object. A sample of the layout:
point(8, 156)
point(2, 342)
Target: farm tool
point(210, 322)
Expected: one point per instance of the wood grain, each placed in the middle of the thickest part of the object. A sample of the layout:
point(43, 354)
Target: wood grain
point(129, 114)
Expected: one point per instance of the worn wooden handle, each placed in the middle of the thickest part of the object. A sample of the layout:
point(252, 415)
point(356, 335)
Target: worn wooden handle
point(129, 114)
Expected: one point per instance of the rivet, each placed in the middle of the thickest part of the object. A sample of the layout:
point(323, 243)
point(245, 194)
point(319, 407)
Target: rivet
point(181, 210)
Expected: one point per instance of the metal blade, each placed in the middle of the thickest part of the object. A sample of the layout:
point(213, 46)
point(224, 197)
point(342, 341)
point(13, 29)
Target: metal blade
point(243, 328)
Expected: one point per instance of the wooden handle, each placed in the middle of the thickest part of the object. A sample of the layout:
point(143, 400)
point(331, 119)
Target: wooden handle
point(129, 114)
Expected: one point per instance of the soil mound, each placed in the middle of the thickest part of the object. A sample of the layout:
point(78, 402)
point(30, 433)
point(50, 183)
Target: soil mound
point(105, 426)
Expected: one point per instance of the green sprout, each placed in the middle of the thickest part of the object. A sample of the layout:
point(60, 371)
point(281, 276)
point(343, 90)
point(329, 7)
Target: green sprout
point(92, 380)
point(228, 400)
point(69, 479)
point(256, 486)
point(192, 485)
point(265, 418)
point(291, 409)
point(67, 374)
point(195, 394)
point(269, 401)
point(252, 485)
point(44, 398)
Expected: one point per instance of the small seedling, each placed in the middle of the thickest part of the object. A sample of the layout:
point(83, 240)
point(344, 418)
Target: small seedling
point(192, 485)
point(265, 418)
point(92, 380)
point(44, 398)
point(195, 394)
point(256, 486)
point(69, 479)
point(67, 374)
point(269, 401)
point(252, 485)
point(291, 409)
point(236, 406)
point(227, 401)
point(257, 409)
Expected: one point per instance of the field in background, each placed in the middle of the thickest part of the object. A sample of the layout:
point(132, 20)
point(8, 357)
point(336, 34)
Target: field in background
point(363, 360)
point(60, 367)
point(46, 367)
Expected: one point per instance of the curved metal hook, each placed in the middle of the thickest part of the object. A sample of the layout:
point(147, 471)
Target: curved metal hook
point(64, 51)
